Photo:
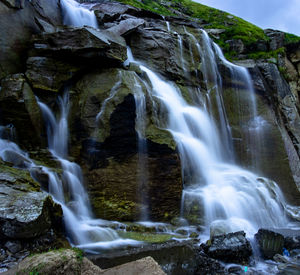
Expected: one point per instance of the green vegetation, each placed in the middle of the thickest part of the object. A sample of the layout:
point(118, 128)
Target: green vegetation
point(291, 38)
point(266, 55)
point(235, 27)
point(147, 237)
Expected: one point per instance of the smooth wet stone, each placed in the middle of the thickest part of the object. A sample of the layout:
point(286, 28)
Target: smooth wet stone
point(269, 242)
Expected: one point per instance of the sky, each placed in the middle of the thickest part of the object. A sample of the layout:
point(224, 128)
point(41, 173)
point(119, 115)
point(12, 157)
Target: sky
point(281, 15)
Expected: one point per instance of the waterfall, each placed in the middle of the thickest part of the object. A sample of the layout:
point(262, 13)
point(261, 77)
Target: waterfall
point(74, 201)
point(78, 15)
point(140, 122)
point(222, 191)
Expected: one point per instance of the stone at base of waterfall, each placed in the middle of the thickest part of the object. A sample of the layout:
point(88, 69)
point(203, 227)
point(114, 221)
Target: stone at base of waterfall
point(269, 242)
point(67, 262)
point(206, 265)
point(71, 261)
point(232, 248)
point(143, 266)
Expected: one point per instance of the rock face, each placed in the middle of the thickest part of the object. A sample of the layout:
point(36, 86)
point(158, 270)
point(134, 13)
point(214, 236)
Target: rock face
point(270, 243)
point(232, 247)
point(19, 107)
point(15, 38)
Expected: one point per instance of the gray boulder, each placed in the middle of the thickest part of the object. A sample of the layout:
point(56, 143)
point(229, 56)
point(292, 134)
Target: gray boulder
point(126, 26)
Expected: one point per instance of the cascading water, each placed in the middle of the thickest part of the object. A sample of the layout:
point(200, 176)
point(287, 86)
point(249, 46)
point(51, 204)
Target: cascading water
point(75, 203)
point(140, 122)
point(78, 15)
point(221, 190)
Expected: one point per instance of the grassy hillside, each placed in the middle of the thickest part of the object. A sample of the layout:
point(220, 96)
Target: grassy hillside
point(211, 18)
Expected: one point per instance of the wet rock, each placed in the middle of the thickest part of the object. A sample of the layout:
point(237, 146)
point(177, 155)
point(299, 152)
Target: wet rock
point(65, 261)
point(207, 265)
point(19, 108)
point(15, 158)
point(269, 242)
point(13, 246)
point(143, 266)
point(16, 4)
point(291, 243)
point(232, 247)
point(113, 151)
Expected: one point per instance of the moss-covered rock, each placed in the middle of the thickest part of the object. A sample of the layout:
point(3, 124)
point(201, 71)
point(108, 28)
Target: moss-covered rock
point(26, 212)
point(62, 261)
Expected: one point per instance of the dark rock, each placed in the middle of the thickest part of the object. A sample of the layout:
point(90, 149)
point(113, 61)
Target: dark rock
point(291, 243)
point(269, 242)
point(235, 270)
point(19, 108)
point(18, 160)
point(236, 45)
point(173, 257)
point(49, 74)
point(16, 4)
point(15, 39)
point(81, 43)
point(13, 246)
point(276, 38)
point(208, 266)
point(232, 247)
point(112, 153)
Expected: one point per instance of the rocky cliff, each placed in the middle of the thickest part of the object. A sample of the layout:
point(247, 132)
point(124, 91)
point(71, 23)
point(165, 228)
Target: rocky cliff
point(41, 57)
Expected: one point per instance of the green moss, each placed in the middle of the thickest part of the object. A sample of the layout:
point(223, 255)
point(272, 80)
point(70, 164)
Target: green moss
point(160, 136)
point(266, 55)
point(21, 177)
point(235, 27)
point(291, 38)
point(146, 237)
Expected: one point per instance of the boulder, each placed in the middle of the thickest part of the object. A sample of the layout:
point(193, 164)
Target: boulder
point(20, 109)
point(110, 11)
point(269, 242)
point(143, 266)
point(25, 211)
point(207, 265)
point(49, 74)
point(232, 248)
point(65, 261)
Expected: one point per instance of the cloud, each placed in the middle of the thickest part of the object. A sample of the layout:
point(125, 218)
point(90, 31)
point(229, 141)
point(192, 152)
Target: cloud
point(276, 14)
